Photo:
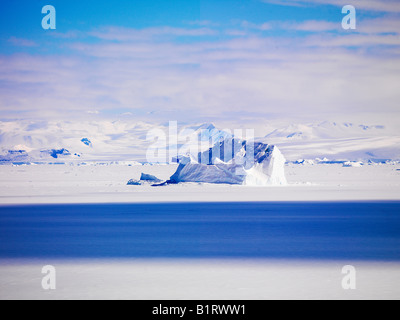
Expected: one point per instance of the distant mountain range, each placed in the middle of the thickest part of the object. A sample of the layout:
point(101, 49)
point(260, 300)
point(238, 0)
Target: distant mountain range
point(337, 141)
point(326, 130)
point(47, 141)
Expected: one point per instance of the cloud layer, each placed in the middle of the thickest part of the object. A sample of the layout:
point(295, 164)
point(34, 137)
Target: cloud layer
point(368, 5)
point(310, 69)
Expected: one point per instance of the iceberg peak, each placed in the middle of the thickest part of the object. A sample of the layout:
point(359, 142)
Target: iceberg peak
point(234, 161)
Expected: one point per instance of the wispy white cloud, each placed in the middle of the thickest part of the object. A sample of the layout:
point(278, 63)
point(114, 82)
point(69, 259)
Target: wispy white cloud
point(353, 40)
point(127, 34)
point(128, 70)
point(72, 34)
point(381, 25)
point(22, 42)
point(370, 5)
point(203, 23)
point(386, 24)
point(249, 25)
point(311, 25)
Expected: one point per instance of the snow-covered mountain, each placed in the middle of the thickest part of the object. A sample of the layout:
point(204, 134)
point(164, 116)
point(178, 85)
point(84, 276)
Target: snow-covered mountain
point(29, 141)
point(51, 141)
point(326, 130)
point(337, 141)
point(102, 140)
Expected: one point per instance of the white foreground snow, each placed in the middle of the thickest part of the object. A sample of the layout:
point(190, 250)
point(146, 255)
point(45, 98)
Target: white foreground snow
point(107, 184)
point(198, 280)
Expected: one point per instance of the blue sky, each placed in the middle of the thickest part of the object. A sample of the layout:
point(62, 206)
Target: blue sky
point(20, 17)
point(200, 60)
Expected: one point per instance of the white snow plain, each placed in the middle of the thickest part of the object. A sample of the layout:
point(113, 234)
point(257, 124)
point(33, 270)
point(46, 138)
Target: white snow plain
point(94, 183)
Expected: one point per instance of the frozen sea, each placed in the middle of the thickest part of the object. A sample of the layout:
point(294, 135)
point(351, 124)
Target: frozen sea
point(368, 231)
point(108, 240)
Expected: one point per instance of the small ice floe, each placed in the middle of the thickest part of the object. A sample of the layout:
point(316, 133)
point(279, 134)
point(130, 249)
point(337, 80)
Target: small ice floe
point(144, 179)
point(133, 182)
point(305, 162)
point(354, 164)
point(87, 142)
point(149, 177)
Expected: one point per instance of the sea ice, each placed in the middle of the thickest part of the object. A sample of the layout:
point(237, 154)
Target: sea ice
point(149, 177)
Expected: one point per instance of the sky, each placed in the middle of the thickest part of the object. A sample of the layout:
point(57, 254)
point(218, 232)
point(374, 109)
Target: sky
point(200, 60)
